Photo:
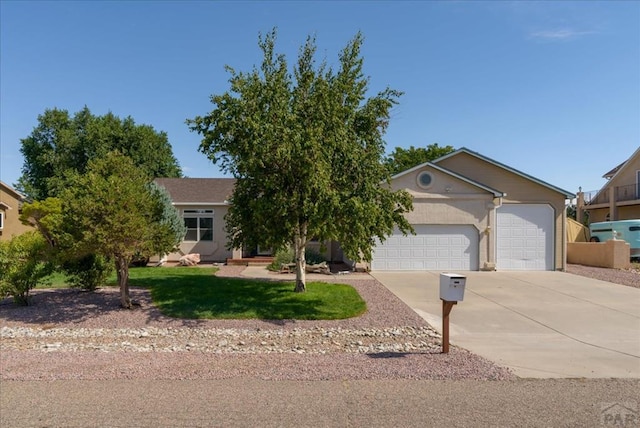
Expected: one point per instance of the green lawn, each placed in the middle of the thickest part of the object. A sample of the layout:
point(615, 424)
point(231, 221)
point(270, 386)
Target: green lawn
point(195, 293)
point(55, 280)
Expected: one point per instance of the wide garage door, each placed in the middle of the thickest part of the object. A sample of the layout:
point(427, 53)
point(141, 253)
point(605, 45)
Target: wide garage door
point(433, 247)
point(525, 237)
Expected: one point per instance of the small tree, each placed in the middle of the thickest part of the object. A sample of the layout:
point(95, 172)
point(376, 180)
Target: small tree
point(307, 153)
point(111, 210)
point(24, 263)
point(170, 229)
point(87, 271)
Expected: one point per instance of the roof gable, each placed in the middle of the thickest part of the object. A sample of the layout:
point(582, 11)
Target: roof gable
point(506, 168)
point(198, 191)
point(496, 193)
point(623, 166)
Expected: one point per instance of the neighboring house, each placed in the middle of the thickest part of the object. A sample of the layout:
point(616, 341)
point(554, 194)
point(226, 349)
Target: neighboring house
point(474, 213)
point(619, 198)
point(469, 213)
point(10, 207)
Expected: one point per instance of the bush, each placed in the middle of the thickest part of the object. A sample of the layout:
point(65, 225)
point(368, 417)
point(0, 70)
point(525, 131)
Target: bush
point(24, 263)
point(88, 272)
point(281, 256)
point(313, 257)
point(288, 256)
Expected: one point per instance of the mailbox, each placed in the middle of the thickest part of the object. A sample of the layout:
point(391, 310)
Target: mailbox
point(452, 287)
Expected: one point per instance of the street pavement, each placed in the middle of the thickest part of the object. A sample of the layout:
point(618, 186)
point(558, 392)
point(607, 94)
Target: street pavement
point(249, 402)
point(539, 324)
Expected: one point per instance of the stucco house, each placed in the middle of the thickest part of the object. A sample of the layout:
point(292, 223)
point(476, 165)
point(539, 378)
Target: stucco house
point(10, 205)
point(619, 198)
point(470, 213)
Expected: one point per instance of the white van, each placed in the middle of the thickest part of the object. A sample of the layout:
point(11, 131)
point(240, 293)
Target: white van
point(625, 230)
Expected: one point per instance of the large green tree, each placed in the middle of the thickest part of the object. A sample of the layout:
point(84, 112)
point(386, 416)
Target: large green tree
point(403, 159)
point(61, 144)
point(112, 210)
point(307, 151)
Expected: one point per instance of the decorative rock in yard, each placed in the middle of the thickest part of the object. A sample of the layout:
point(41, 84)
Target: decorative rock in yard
point(190, 259)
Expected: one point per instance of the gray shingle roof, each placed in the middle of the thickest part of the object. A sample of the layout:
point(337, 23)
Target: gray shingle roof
point(198, 190)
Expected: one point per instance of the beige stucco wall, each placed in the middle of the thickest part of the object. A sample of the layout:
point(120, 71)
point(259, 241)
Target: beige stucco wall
point(627, 175)
point(12, 225)
point(628, 212)
point(518, 189)
point(451, 201)
point(609, 254)
point(597, 215)
point(210, 251)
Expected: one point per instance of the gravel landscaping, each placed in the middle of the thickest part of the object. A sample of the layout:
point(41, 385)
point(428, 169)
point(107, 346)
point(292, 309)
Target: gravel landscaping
point(629, 277)
point(70, 334)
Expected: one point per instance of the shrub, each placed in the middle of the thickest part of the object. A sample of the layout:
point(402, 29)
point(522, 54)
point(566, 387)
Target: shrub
point(24, 263)
point(281, 256)
point(313, 257)
point(88, 272)
point(287, 256)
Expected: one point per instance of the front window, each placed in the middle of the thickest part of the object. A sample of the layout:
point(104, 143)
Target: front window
point(199, 224)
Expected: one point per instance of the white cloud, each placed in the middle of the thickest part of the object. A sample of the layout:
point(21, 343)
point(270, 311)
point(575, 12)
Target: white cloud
point(558, 34)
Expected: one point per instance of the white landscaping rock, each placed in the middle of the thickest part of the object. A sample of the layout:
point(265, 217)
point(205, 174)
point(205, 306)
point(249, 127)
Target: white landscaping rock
point(190, 259)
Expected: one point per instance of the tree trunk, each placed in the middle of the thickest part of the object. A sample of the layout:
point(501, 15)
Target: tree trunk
point(122, 268)
point(301, 271)
point(301, 264)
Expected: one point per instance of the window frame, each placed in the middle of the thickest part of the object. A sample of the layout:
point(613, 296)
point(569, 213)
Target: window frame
point(199, 215)
point(419, 180)
point(1, 220)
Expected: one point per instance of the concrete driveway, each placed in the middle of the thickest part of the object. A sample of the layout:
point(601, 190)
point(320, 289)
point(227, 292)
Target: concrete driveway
point(539, 324)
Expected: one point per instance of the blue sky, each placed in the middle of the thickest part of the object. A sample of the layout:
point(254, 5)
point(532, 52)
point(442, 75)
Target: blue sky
point(549, 88)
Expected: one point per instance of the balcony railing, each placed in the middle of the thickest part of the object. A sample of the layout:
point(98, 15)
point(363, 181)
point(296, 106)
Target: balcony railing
point(627, 192)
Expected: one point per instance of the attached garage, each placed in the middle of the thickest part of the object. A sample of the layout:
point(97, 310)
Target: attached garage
point(525, 237)
point(433, 247)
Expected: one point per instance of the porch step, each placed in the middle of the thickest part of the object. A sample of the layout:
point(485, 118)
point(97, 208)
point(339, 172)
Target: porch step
point(251, 261)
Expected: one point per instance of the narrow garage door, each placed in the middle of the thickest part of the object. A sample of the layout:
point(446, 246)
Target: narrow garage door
point(525, 237)
point(431, 248)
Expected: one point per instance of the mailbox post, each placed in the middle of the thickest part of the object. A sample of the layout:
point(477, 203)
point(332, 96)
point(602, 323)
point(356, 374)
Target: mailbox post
point(452, 287)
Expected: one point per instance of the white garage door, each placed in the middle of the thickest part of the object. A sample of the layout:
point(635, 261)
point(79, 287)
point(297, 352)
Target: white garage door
point(525, 237)
point(431, 248)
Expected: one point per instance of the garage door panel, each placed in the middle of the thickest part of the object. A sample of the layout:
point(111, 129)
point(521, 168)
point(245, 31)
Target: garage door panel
point(434, 247)
point(525, 236)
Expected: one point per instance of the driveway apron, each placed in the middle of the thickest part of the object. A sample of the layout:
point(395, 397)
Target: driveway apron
point(539, 324)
